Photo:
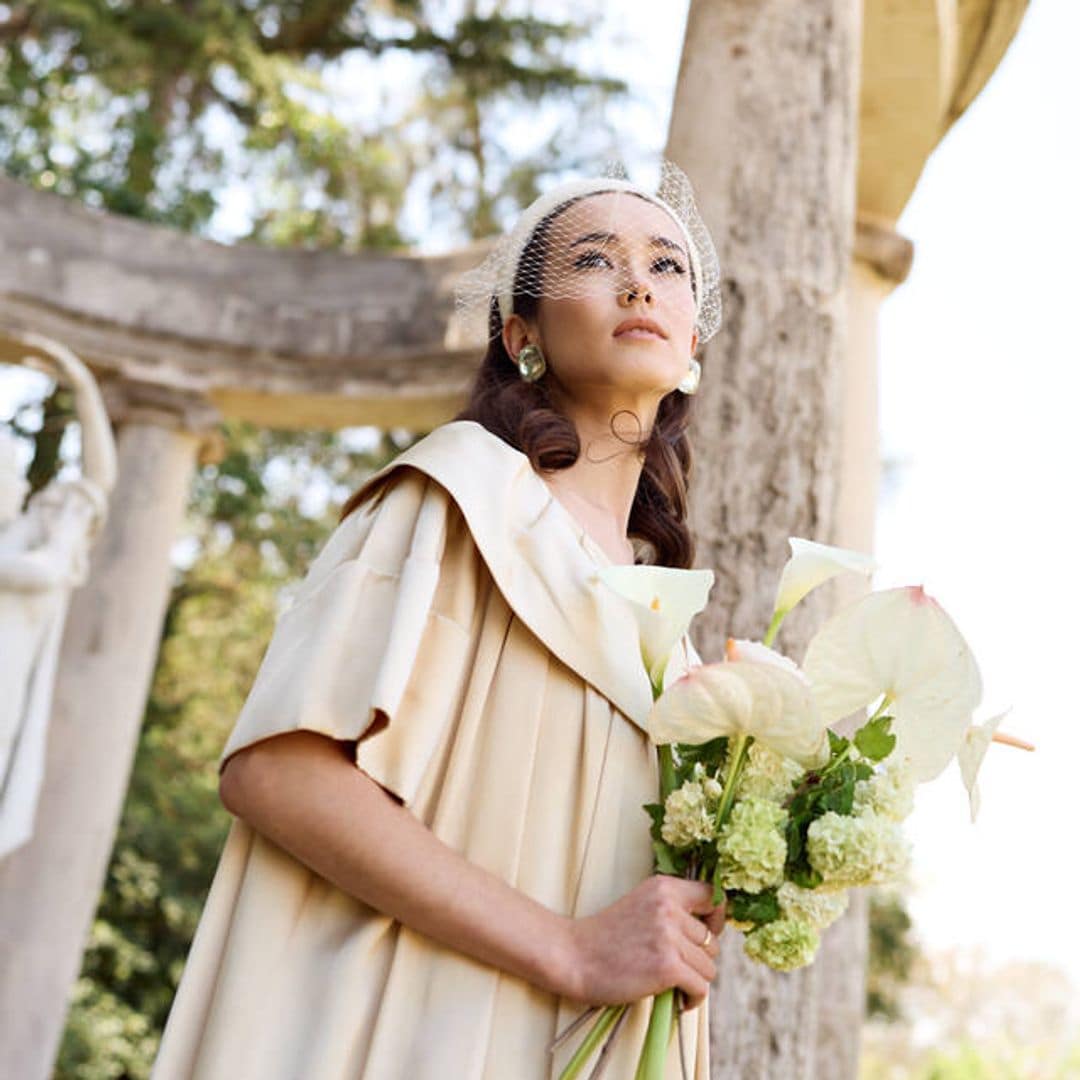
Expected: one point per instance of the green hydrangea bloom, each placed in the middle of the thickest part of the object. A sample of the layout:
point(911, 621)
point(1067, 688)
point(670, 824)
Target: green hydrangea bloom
point(767, 774)
point(814, 907)
point(783, 944)
point(689, 815)
point(752, 846)
point(866, 849)
point(890, 792)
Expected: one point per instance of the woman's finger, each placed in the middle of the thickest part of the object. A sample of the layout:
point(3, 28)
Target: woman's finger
point(697, 897)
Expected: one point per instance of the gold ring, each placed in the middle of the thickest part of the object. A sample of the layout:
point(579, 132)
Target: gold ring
point(708, 938)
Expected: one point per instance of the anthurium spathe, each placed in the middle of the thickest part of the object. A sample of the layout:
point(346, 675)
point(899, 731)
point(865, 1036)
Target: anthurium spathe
point(972, 750)
point(812, 564)
point(664, 600)
point(742, 697)
point(900, 644)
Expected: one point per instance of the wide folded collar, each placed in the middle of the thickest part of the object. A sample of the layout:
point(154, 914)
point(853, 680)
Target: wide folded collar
point(542, 560)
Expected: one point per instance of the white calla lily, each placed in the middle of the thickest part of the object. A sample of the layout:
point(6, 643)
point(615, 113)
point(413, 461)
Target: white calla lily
point(664, 600)
point(899, 643)
point(972, 750)
point(742, 697)
point(812, 564)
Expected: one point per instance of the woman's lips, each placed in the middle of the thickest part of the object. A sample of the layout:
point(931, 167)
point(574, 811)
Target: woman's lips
point(639, 332)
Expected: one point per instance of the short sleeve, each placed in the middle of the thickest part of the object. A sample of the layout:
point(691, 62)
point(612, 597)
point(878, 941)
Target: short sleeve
point(376, 634)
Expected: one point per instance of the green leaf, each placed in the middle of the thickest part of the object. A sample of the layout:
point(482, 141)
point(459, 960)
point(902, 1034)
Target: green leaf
point(806, 876)
point(874, 740)
point(760, 908)
point(718, 889)
point(837, 743)
point(656, 813)
point(665, 858)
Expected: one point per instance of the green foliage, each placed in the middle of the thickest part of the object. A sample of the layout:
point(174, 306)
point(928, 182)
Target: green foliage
point(893, 953)
point(874, 740)
point(712, 755)
point(832, 788)
point(762, 907)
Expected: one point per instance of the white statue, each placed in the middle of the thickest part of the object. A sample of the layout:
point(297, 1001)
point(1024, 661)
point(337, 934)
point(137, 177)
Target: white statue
point(44, 555)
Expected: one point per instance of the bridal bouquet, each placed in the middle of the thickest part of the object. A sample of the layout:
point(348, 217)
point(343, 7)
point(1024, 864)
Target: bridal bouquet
point(758, 794)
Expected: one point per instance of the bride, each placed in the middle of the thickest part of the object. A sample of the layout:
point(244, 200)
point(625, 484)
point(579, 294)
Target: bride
point(439, 851)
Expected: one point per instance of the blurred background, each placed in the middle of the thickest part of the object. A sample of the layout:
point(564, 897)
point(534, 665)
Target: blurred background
point(423, 127)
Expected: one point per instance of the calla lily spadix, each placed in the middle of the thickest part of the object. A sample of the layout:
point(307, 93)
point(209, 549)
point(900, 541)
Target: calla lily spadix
point(901, 644)
point(664, 600)
point(812, 564)
point(742, 697)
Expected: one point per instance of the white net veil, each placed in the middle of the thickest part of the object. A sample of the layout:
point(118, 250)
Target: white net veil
point(548, 254)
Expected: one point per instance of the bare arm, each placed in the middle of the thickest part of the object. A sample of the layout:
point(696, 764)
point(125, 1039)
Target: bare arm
point(304, 792)
point(306, 795)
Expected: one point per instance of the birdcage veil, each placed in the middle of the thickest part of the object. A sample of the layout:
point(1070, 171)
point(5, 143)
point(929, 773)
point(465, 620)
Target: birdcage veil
point(511, 267)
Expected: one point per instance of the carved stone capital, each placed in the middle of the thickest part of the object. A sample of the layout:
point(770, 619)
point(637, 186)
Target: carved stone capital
point(132, 401)
point(881, 247)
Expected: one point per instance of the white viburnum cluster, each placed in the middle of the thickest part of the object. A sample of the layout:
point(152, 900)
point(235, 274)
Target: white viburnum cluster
point(866, 849)
point(752, 846)
point(890, 792)
point(690, 812)
point(783, 944)
point(812, 906)
point(767, 774)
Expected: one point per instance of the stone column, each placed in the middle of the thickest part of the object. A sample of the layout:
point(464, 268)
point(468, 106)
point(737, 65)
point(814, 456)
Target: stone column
point(49, 888)
point(765, 122)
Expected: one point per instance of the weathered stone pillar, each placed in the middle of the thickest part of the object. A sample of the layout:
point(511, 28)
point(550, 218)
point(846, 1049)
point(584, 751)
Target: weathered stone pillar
point(765, 122)
point(49, 888)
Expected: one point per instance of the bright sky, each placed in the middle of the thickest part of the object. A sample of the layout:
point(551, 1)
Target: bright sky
point(980, 379)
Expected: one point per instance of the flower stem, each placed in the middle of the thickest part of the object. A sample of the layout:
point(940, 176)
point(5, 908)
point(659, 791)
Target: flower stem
point(731, 778)
point(667, 771)
point(777, 619)
point(654, 1052)
point(591, 1041)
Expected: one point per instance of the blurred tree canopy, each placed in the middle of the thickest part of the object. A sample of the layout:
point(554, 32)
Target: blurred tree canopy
point(152, 107)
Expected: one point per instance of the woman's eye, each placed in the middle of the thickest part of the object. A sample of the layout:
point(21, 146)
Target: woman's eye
point(590, 257)
point(679, 269)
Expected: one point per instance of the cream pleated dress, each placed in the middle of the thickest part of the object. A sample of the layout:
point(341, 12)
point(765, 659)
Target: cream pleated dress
point(455, 625)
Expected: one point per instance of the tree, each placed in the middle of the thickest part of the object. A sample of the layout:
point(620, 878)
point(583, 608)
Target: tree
point(153, 108)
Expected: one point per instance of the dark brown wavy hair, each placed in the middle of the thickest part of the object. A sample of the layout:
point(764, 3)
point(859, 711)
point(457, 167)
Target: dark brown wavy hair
point(524, 415)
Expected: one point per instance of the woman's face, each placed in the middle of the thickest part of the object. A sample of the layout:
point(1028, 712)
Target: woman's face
point(600, 248)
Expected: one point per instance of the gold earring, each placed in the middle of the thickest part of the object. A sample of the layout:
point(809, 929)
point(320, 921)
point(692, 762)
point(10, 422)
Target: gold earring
point(531, 362)
point(691, 379)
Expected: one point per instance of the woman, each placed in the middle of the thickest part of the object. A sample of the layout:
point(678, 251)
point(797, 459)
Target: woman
point(440, 853)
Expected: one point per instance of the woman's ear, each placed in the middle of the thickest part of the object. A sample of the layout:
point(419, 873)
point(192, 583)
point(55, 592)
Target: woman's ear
point(515, 335)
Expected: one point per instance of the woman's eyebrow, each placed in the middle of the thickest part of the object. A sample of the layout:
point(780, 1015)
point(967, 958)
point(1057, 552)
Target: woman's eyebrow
point(605, 237)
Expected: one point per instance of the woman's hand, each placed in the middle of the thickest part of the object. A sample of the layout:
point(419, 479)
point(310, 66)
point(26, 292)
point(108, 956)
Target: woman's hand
point(646, 942)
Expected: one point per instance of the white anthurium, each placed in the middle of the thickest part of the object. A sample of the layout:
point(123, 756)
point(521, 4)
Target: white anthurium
point(812, 564)
point(972, 750)
point(759, 653)
point(742, 697)
point(899, 643)
point(664, 600)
